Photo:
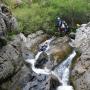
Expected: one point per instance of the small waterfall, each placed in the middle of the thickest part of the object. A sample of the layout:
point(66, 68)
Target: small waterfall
point(33, 61)
point(61, 72)
point(37, 70)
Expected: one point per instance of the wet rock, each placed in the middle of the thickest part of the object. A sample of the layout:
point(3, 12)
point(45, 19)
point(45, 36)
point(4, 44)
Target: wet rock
point(72, 35)
point(42, 60)
point(26, 79)
point(41, 82)
point(54, 83)
point(81, 71)
point(59, 49)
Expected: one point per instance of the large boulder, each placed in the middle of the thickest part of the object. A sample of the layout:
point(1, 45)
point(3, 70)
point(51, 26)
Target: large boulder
point(42, 60)
point(82, 39)
point(10, 61)
point(59, 49)
point(81, 71)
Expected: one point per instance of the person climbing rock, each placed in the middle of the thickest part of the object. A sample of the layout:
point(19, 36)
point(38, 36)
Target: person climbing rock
point(61, 26)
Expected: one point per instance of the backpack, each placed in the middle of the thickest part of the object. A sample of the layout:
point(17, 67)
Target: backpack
point(58, 23)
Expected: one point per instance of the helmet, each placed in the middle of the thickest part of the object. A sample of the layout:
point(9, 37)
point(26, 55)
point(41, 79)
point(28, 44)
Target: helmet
point(58, 18)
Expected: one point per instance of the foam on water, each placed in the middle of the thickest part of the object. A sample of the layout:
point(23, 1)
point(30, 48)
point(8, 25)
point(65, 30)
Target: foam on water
point(37, 70)
point(65, 88)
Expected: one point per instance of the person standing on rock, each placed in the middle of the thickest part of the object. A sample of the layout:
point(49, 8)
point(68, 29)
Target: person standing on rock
point(61, 26)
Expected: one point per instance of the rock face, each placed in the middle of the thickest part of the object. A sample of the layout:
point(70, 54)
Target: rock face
point(7, 21)
point(82, 40)
point(10, 61)
point(81, 71)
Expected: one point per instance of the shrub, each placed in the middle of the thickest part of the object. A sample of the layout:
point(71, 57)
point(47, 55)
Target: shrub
point(41, 14)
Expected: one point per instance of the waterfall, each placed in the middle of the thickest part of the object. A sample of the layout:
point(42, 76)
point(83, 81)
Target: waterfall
point(37, 70)
point(61, 71)
point(33, 61)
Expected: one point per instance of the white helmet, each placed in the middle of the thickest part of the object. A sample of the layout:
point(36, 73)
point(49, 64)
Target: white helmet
point(58, 18)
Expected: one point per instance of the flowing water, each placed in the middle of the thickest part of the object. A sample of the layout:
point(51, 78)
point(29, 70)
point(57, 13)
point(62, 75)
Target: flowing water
point(61, 71)
point(33, 61)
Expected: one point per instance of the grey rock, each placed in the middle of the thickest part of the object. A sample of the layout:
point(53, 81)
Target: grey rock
point(13, 24)
point(42, 60)
point(81, 71)
point(8, 22)
point(72, 35)
point(2, 27)
point(11, 61)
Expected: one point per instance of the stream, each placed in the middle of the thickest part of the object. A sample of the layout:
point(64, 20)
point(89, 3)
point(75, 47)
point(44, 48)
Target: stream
point(61, 71)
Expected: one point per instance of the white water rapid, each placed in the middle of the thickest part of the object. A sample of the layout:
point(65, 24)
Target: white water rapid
point(33, 61)
point(61, 71)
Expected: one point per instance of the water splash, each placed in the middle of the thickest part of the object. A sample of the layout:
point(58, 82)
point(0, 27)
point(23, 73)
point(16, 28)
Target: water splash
point(62, 70)
point(33, 61)
point(63, 73)
point(65, 88)
point(37, 70)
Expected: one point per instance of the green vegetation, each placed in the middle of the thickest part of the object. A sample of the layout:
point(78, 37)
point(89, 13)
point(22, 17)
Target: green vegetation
point(41, 14)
